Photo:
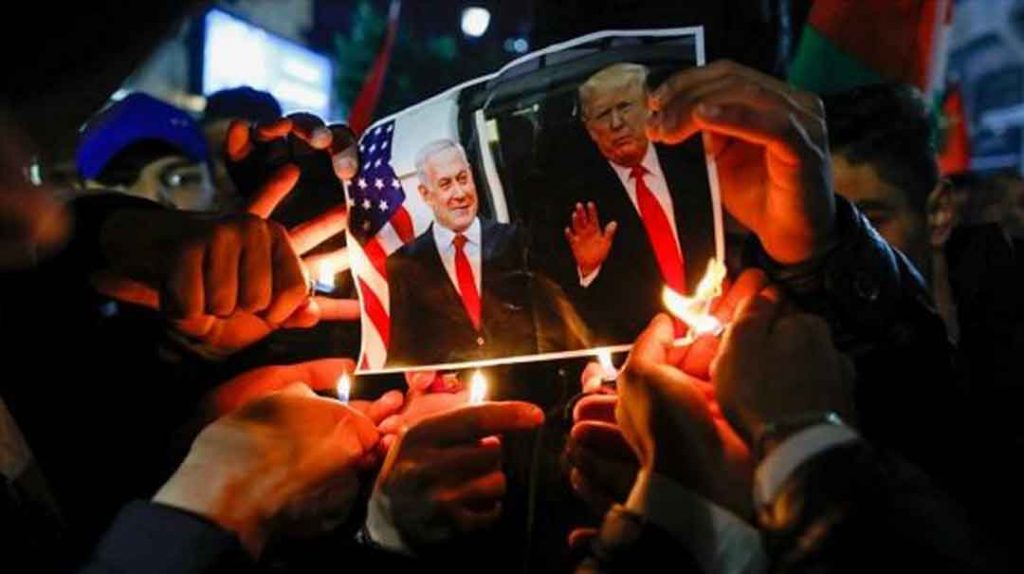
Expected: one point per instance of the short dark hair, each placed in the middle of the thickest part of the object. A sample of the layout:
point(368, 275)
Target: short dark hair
point(888, 127)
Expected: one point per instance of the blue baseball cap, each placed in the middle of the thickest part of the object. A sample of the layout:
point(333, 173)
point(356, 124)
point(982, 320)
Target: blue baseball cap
point(136, 118)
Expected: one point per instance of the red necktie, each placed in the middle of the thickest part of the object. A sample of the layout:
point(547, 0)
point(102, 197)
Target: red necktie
point(659, 232)
point(467, 284)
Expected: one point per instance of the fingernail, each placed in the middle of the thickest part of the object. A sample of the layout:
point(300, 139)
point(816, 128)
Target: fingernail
point(320, 138)
point(345, 167)
point(535, 415)
point(709, 110)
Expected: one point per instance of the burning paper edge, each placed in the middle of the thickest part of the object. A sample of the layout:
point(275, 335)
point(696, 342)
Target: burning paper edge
point(695, 310)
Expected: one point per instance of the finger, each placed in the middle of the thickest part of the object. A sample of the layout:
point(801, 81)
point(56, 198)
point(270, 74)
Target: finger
point(592, 377)
point(596, 498)
point(601, 438)
point(320, 375)
point(749, 112)
point(344, 151)
point(693, 78)
point(610, 229)
point(352, 423)
point(296, 389)
point(331, 309)
point(200, 327)
point(255, 287)
point(750, 282)
point(310, 129)
point(377, 411)
point(592, 217)
point(697, 359)
point(680, 109)
point(578, 218)
point(307, 235)
point(754, 319)
point(595, 408)
point(289, 281)
point(581, 538)
point(454, 465)
point(651, 346)
point(612, 476)
point(221, 272)
point(477, 491)
point(125, 290)
point(473, 422)
point(185, 285)
point(278, 128)
point(419, 381)
point(570, 236)
point(472, 520)
point(738, 115)
point(270, 194)
point(238, 141)
point(305, 316)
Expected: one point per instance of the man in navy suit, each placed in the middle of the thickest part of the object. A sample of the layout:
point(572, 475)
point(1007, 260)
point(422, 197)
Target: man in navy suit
point(641, 214)
point(462, 289)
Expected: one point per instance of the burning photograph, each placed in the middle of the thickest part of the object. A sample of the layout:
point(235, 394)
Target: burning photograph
point(526, 215)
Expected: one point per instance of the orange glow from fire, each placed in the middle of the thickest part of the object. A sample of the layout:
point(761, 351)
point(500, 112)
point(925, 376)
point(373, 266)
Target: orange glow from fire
point(695, 310)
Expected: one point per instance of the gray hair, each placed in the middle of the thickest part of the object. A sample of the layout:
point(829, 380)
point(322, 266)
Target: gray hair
point(430, 150)
point(613, 75)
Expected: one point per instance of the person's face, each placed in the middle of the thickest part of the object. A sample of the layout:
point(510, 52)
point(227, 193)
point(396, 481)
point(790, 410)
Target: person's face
point(885, 205)
point(450, 191)
point(176, 182)
point(615, 115)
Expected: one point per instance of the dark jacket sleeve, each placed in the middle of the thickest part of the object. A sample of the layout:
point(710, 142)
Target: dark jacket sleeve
point(852, 508)
point(881, 314)
point(151, 538)
point(629, 543)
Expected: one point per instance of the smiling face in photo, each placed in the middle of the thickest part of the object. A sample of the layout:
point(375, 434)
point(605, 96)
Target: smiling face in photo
point(450, 191)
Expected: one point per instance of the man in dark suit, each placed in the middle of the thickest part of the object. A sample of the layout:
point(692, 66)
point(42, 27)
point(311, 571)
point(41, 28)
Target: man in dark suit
point(462, 290)
point(642, 215)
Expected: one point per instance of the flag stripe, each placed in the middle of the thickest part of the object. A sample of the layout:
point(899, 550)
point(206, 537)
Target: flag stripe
point(377, 257)
point(375, 311)
point(389, 239)
point(402, 223)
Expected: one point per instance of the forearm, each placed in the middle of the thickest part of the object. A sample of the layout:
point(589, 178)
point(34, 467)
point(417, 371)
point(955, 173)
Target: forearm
point(868, 291)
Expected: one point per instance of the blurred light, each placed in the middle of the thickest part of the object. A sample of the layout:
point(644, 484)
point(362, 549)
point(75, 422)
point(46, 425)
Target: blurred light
point(516, 45)
point(475, 21)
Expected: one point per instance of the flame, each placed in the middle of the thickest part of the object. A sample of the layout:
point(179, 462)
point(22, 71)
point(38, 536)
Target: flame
point(325, 276)
point(695, 310)
point(610, 373)
point(344, 387)
point(477, 388)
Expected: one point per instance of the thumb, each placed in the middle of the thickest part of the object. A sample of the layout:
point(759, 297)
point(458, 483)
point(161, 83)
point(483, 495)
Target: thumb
point(610, 229)
point(125, 290)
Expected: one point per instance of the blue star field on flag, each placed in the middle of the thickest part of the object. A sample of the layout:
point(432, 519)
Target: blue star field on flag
point(375, 193)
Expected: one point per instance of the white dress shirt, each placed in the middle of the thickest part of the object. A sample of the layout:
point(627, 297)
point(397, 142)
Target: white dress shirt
point(444, 238)
point(725, 543)
point(655, 180)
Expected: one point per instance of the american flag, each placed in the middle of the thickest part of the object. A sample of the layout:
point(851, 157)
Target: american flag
point(380, 224)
